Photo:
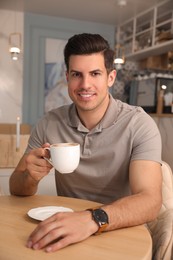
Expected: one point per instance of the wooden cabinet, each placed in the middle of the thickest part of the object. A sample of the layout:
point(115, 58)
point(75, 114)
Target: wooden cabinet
point(9, 155)
point(148, 33)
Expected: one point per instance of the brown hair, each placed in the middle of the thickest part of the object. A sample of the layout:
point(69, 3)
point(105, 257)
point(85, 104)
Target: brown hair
point(86, 43)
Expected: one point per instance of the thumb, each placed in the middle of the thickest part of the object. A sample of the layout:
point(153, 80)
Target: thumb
point(45, 145)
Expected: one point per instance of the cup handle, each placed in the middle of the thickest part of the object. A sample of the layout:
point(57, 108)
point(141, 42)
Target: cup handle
point(48, 160)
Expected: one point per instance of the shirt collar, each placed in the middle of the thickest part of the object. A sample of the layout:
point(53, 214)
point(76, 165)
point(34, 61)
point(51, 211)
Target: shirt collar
point(108, 119)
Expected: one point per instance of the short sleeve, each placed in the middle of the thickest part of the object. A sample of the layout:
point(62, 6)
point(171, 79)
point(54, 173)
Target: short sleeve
point(147, 140)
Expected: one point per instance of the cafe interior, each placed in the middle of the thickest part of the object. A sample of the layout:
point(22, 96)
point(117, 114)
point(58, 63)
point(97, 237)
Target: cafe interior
point(141, 33)
point(33, 35)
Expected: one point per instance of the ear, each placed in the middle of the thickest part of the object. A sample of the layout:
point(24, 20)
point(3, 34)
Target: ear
point(66, 76)
point(111, 78)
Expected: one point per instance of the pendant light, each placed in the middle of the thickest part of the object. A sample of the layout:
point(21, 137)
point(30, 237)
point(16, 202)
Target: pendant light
point(15, 40)
point(119, 48)
point(119, 56)
point(15, 45)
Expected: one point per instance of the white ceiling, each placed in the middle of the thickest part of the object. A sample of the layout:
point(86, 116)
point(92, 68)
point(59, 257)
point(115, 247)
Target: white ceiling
point(101, 11)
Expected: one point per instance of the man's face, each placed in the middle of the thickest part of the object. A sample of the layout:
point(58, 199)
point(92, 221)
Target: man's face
point(88, 81)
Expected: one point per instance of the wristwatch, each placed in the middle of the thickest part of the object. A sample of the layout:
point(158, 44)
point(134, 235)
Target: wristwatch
point(101, 219)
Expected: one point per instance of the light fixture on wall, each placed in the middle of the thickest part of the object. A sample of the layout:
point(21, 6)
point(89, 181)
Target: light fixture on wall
point(15, 45)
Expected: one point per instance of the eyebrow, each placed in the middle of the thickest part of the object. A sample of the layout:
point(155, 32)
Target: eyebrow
point(95, 70)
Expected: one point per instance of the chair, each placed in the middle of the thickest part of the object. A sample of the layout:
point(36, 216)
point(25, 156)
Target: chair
point(161, 229)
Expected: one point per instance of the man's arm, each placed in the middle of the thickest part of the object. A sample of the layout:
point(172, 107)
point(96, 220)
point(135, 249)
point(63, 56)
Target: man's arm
point(145, 202)
point(140, 207)
point(28, 173)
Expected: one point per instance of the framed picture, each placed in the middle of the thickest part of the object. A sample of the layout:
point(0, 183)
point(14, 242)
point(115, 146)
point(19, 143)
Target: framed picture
point(55, 91)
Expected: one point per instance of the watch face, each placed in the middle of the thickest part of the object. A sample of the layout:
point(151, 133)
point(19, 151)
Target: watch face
point(100, 216)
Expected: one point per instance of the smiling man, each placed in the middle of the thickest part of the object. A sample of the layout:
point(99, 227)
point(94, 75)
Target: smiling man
point(87, 78)
point(120, 153)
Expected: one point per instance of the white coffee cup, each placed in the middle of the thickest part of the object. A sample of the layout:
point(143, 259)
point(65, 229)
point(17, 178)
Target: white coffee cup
point(64, 157)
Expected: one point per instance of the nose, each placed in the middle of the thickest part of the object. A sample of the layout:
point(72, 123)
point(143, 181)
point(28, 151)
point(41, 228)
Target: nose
point(85, 81)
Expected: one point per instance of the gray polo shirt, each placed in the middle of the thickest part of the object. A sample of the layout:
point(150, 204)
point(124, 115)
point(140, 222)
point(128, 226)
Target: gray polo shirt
point(125, 133)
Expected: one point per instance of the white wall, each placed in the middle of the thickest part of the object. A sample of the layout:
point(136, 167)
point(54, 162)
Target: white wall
point(46, 186)
point(11, 72)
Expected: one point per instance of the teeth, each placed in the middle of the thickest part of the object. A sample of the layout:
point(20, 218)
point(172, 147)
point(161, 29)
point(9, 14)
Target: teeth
point(85, 95)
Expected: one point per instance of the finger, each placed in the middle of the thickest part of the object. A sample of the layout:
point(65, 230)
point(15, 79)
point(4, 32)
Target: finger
point(46, 154)
point(38, 172)
point(45, 145)
point(49, 239)
point(40, 231)
point(34, 159)
point(44, 235)
point(62, 242)
point(43, 163)
point(47, 225)
point(39, 152)
point(39, 165)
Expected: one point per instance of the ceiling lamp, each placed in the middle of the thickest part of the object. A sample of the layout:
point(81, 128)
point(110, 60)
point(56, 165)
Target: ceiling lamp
point(15, 45)
point(122, 2)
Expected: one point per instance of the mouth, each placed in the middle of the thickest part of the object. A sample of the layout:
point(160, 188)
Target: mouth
point(86, 96)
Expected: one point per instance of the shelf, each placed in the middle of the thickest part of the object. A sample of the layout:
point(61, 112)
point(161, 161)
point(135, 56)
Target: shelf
point(164, 17)
point(163, 23)
point(144, 31)
point(161, 115)
point(129, 38)
point(158, 49)
point(151, 32)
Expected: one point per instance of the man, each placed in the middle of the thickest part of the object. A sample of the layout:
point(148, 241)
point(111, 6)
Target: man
point(120, 153)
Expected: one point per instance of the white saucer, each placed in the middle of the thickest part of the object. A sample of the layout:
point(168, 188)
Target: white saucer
point(42, 213)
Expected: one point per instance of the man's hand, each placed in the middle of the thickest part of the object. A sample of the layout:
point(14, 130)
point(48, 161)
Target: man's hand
point(36, 165)
point(29, 171)
point(61, 230)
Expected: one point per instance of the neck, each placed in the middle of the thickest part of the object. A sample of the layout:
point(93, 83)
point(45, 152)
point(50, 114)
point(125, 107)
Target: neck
point(90, 118)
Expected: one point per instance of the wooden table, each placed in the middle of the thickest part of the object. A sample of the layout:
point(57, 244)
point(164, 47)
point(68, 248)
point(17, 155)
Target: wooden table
point(15, 226)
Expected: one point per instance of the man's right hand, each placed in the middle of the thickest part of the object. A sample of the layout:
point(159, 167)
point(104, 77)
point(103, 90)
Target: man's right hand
point(30, 170)
point(36, 165)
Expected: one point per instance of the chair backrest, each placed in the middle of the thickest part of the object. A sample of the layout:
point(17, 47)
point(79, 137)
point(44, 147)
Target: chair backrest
point(167, 187)
point(162, 228)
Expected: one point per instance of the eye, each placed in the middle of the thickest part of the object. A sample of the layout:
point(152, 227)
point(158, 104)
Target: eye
point(95, 73)
point(75, 74)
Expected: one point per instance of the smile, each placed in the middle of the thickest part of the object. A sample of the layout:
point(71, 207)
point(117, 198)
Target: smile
point(86, 95)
